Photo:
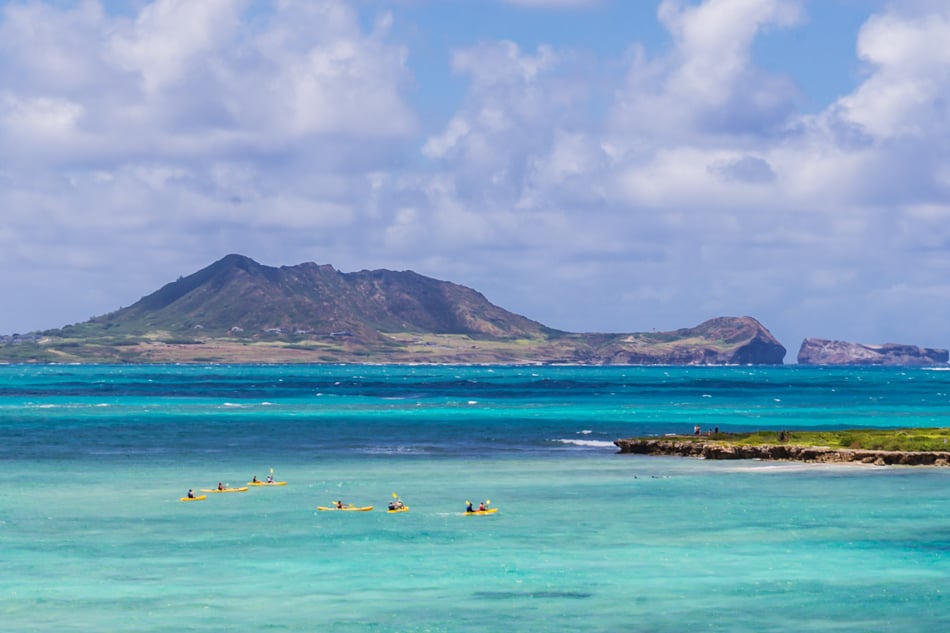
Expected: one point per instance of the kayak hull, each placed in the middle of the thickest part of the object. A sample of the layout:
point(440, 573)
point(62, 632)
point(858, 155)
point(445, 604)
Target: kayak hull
point(402, 509)
point(198, 498)
point(241, 489)
point(346, 509)
point(267, 483)
point(481, 512)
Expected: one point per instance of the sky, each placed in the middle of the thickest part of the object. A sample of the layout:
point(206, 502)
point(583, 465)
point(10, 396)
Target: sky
point(595, 165)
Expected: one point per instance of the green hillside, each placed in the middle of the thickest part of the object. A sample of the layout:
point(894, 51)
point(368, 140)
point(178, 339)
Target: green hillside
point(237, 310)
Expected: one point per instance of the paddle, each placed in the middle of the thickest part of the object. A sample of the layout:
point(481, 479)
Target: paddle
point(468, 504)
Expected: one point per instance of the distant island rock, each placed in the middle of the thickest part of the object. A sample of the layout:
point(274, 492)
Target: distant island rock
point(816, 351)
point(239, 311)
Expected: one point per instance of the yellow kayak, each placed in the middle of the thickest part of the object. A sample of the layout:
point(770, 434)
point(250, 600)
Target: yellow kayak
point(242, 489)
point(402, 509)
point(479, 512)
point(199, 498)
point(267, 483)
point(349, 508)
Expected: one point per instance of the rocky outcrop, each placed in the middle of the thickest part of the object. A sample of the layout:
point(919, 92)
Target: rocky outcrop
point(720, 341)
point(816, 351)
point(785, 452)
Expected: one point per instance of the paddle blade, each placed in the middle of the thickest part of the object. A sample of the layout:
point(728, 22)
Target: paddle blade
point(487, 502)
point(395, 496)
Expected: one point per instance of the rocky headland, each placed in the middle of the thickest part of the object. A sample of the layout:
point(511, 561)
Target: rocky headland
point(712, 449)
point(816, 351)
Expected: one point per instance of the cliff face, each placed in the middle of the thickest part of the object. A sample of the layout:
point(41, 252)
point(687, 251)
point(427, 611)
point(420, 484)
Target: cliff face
point(815, 351)
point(719, 341)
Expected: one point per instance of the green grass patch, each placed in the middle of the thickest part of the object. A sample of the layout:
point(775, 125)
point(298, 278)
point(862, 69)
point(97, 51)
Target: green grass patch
point(903, 439)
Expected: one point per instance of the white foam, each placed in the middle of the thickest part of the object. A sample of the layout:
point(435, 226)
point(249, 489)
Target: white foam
point(588, 443)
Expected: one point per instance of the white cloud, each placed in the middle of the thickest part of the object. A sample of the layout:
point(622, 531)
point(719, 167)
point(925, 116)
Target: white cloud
point(196, 80)
point(690, 186)
point(320, 74)
point(709, 84)
point(439, 146)
point(47, 50)
point(29, 118)
point(169, 38)
point(517, 106)
point(906, 93)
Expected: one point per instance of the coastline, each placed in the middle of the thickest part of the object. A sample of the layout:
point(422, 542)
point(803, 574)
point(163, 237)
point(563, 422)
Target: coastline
point(720, 450)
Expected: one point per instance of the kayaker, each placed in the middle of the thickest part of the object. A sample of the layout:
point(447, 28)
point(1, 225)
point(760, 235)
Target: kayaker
point(468, 507)
point(481, 506)
point(254, 480)
point(339, 505)
point(270, 479)
point(191, 493)
point(220, 486)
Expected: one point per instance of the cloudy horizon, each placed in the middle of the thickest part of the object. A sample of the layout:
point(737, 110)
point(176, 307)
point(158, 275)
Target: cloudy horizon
point(595, 165)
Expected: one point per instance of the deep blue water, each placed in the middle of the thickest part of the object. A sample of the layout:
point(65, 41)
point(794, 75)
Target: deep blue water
point(68, 411)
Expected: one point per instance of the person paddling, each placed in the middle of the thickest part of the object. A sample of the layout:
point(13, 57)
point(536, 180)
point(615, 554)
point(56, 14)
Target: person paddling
point(191, 493)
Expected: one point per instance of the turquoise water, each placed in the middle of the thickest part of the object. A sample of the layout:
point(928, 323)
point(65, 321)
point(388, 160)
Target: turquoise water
point(93, 537)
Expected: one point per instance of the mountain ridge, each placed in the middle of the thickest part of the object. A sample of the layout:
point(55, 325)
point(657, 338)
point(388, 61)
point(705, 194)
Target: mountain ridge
point(237, 310)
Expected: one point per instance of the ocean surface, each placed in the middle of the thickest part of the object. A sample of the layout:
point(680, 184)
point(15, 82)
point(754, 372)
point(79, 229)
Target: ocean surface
point(93, 536)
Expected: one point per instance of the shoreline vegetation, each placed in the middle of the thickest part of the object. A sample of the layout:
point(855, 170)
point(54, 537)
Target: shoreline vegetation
point(880, 447)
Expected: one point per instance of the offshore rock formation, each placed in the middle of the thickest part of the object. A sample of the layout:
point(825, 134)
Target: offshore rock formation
point(782, 452)
point(816, 351)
